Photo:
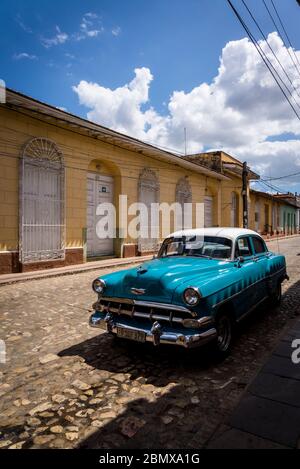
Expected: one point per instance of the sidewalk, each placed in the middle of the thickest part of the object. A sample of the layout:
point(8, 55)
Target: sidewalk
point(279, 238)
point(71, 269)
point(268, 415)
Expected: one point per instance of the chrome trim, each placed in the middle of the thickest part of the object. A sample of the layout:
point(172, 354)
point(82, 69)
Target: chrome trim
point(155, 313)
point(171, 338)
point(156, 331)
point(151, 304)
point(138, 291)
point(103, 285)
point(196, 290)
point(137, 314)
point(202, 322)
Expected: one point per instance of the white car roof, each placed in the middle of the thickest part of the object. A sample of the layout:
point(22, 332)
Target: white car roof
point(231, 233)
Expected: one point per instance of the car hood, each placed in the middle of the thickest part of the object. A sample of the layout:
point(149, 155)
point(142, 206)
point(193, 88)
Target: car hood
point(158, 279)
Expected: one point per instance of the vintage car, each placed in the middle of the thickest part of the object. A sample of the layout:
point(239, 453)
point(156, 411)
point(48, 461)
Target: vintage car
point(200, 284)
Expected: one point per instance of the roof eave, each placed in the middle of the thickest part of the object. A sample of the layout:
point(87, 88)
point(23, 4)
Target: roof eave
point(18, 100)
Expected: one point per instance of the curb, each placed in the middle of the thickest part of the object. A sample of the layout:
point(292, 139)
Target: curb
point(279, 238)
point(26, 276)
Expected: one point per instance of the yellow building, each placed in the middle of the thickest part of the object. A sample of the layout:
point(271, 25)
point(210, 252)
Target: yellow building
point(230, 189)
point(55, 169)
point(273, 214)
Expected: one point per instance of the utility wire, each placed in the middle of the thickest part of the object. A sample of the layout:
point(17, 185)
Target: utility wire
point(263, 56)
point(280, 35)
point(270, 186)
point(282, 177)
point(285, 32)
point(271, 48)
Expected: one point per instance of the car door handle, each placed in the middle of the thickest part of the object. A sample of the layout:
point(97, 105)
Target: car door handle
point(255, 259)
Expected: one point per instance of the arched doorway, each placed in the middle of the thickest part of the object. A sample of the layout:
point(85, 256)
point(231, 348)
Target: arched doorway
point(148, 194)
point(100, 190)
point(42, 220)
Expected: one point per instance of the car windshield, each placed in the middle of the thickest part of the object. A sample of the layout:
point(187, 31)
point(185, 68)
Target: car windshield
point(213, 247)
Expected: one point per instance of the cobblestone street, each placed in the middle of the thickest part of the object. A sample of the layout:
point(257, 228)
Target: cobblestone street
point(66, 385)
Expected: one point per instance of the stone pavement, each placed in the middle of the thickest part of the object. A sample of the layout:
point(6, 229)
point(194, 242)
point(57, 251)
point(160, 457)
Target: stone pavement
point(66, 385)
point(268, 414)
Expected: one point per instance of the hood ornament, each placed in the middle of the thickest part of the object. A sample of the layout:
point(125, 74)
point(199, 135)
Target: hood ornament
point(138, 291)
point(142, 270)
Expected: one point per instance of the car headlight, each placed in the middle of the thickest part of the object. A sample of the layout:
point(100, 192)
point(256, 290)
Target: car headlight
point(98, 285)
point(191, 296)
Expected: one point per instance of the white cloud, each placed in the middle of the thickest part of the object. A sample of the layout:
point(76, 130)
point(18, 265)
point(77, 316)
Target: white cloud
point(116, 31)
point(24, 55)
point(237, 111)
point(120, 108)
point(90, 26)
point(59, 38)
point(22, 25)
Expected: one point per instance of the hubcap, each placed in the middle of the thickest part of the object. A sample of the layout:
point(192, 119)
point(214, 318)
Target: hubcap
point(224, 333)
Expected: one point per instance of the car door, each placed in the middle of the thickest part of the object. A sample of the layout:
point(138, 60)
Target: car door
point(248, 276)
point(260, 258)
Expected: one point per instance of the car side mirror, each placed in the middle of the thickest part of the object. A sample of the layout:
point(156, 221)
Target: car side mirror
point(240, 260)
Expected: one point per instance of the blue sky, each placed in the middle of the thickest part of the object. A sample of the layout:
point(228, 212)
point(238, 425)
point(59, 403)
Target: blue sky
point(49, 47)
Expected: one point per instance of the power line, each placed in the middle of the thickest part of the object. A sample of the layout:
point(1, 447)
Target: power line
point(262, 55)
point(264, 187)
point(271, 49)
point(282, 177)
point(271, 186)
point(280, 35)
point(285, 32)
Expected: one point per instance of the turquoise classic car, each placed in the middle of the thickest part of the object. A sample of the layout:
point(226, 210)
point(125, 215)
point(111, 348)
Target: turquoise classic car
point(200, 284)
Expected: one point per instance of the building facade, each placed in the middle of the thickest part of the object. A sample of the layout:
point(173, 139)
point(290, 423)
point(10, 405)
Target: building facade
point(55, 170)
point(272, 214)
point(290, 215)
point(231, 188)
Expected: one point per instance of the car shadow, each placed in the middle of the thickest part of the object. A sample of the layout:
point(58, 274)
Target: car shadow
point(115, 355)
point(162, 422)
point(144, 424)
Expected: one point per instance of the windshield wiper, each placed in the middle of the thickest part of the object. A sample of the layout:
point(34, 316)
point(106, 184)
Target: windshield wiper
point(198, 255)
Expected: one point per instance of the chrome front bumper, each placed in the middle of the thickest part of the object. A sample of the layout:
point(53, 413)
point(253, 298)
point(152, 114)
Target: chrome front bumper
point(157, 335)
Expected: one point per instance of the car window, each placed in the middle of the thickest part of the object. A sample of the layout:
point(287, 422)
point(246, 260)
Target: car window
point(243, 247)
point(215, 247)
point(259, 245)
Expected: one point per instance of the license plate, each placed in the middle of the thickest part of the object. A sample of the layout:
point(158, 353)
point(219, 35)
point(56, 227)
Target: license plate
point(138, 336)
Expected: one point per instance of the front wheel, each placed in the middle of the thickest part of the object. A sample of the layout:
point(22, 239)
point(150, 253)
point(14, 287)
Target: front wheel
point(276, 295)
point(224, 327)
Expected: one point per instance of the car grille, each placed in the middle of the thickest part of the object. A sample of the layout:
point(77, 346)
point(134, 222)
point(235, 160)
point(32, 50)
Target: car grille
point(144, 310)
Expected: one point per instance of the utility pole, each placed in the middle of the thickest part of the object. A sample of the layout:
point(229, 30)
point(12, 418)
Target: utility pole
point(245, 195)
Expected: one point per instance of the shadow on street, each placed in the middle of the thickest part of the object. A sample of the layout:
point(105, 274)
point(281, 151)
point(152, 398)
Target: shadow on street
point(146, 424)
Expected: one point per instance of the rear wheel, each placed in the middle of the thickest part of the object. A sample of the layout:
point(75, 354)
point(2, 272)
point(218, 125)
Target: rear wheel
point(224, 327)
